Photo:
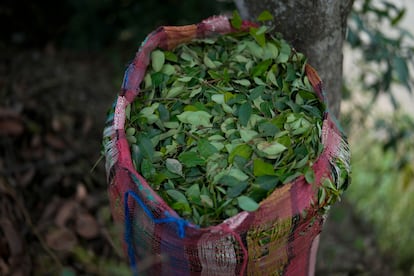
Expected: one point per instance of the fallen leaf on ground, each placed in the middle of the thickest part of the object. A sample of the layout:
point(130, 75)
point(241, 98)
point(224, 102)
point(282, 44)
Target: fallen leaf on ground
point(61, 239)
point(87, 226)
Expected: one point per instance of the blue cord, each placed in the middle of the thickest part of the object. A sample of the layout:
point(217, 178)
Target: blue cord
point(129, 69)
point(181, 224)
point(128, 235)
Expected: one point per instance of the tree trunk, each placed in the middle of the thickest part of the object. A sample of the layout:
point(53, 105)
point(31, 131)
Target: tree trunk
point(316, 28)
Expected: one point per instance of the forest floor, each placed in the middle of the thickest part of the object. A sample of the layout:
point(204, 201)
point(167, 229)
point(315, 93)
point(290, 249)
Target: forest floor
point(54, 210)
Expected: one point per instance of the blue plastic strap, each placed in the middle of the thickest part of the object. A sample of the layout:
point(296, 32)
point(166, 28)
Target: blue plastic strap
point(181, 224)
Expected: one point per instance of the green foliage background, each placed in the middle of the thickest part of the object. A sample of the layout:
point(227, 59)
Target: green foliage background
point(383, 184)
point(382, 143)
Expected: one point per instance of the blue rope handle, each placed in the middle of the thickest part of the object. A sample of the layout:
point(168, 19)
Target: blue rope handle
point(181, 224)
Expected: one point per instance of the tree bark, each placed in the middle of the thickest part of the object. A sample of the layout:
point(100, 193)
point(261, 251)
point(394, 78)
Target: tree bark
point(316, 28)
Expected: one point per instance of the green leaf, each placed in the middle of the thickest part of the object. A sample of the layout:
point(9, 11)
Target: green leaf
point(177, 196)
point(182, 207)
point(191, 159)
point(270, 77)
point(302, 162)
point(228, 180)
point(169, 185)
point(261, 68)
point(258, 81)
point(255, 49)
point(174, 166)
point(195, 118)
point(260, 167)
point(187, 56)
point(149, 110)
point(291, 177)
point(291, 72)
point(145, 146)
point(136, 155)
point(205, 199)
point(242, 163)
point(236, 20)
point(247, 204)
point(270, 51)
point(259, 35)
point(185, 79)
point(128, 112)
point(205, 148)
point(247, 134)
point(174, 91)
point(130, 131)
point(243, 150)
point(243, 82)
point(236, 190)
point(170, 56)
point(216, 137)
point(195, 92)
point(208, 62)
point(238, 174)
point(310, 176)
point(329, 184)
point(267, 182)
point(171, 125)
point(193, 193)
point(284, 54)
point(257, 92)
point(147, 81)
point(168, 69)
point(147, 169)
point(218, 98)
point(158, 78)
point(157, 60)
point(271, 149)
point(164, 114)
point(268, 129)
point(230, 212)
point(244, 113)
point(265, 16)
point(267, 109)
point(321, 195)
point(241, 58)
point(214, 75)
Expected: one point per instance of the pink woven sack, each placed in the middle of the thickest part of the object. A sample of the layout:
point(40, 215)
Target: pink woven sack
point(280, 238)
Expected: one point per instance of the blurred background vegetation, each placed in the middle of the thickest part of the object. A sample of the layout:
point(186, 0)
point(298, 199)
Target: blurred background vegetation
point(378, 69)
point(378, 110)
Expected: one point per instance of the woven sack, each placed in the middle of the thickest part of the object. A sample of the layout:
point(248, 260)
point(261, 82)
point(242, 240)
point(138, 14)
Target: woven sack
point(280, 238)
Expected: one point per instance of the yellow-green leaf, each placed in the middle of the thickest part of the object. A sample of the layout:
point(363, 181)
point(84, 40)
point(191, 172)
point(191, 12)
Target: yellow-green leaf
point(260, 167)
point(242, 150)
point(265, 16)
point(157, 60)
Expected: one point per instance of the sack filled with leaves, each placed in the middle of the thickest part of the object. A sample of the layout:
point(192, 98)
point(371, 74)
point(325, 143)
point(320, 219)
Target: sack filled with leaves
point(222, 158)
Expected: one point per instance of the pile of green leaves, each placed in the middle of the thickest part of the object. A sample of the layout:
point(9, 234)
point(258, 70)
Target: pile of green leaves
point(220, 123)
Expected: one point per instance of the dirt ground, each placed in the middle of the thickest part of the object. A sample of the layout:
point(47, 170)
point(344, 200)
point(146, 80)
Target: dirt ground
point(54, 214)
